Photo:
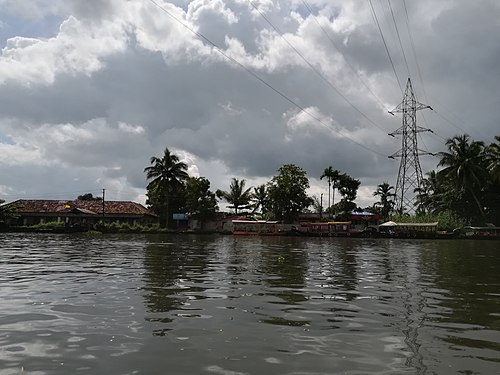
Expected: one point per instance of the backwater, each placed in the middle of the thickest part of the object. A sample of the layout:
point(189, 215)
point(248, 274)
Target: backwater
point(188, 304)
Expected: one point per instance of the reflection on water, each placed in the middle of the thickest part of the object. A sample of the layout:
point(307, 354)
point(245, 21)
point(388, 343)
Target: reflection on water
point(238, 305)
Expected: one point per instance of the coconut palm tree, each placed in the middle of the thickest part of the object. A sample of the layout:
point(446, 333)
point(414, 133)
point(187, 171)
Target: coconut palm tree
point(237, 195)
point(259, 198)
point(493, 158)
point(332, 176)
point(386, 203)
point(430, 195)
point(166, 175)
point(464, 165)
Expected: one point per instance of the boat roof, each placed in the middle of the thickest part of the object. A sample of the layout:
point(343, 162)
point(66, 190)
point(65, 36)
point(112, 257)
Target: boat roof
point(255, 221)
point(394, 224)
point(482, 228)
point(330, 223)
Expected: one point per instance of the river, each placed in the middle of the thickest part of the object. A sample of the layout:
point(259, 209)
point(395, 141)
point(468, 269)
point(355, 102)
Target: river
point(134, 304)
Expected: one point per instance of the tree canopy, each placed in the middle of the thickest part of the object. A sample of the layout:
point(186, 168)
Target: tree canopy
point(237, 196)
point(88, 197)
point(167, 175)
point(200, 201)
point(287, 193)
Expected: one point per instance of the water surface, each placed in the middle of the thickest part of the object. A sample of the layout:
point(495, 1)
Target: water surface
point(247, 305)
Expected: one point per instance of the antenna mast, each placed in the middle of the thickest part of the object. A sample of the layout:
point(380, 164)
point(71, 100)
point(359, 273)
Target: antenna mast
point(410, 172)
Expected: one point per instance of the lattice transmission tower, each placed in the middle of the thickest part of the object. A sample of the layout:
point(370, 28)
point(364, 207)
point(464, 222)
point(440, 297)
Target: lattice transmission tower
point(410, 172)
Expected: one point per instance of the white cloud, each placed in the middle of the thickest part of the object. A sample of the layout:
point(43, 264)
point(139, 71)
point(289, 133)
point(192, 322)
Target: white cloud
point(77, 48)
point(87, 101)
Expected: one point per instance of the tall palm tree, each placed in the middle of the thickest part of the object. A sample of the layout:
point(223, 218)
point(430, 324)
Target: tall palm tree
point(386, 203)
point(332, 176)
point(166, 174)
point(464, 165)
point(493, 158)
point(259, 198)
point(431, 193)
point(237, 195)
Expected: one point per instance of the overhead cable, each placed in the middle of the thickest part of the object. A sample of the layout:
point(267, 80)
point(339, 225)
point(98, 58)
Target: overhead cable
point(260, 79)
point(313, 68)
point(407, 19)
point(334, 44)
point(374, 14)
point(399, 38)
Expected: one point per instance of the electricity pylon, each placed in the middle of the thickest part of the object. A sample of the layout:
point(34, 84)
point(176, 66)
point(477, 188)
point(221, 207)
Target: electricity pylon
point(410, 173)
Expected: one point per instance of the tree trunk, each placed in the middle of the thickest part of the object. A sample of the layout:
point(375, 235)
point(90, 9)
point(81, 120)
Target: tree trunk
point(333, 199)
point(167, 217)
point(329, 188)
point(478, 205)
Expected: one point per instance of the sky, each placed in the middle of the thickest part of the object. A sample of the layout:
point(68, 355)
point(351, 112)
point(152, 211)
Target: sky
point(91, 90)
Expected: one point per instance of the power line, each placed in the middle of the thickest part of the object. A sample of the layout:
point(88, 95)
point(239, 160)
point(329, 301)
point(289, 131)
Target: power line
point(313, 68)
point(407, 19)
point(256, 76)
point(399, 38)
point(334, 44)
point(385, 45)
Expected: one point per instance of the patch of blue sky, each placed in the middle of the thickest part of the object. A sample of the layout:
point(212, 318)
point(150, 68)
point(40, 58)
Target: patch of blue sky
point(305, 11)
point(11, 26)
point(5, 139)
point(181, 4)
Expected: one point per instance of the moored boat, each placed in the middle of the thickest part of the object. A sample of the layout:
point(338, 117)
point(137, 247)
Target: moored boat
point(326, 229)
point(257, 228)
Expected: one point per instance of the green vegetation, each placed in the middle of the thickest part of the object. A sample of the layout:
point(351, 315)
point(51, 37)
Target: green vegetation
point(447, 220)
point(200, 201)
point(464, 191)
point(332, 177)
point(167, 176)
point(7, 211)
point(468, 185)
point(287, 193)
point(88, 197)
point(237, 196)
point(385, 192)
point(45, 226)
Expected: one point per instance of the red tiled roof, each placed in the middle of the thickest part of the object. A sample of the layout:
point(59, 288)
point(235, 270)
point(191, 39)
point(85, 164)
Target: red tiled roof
point(60, 206)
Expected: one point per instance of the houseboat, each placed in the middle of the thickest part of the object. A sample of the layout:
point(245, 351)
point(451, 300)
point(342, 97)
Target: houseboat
point(257, 227)
point(408, 230)
point(326, 229)
point(479, 233)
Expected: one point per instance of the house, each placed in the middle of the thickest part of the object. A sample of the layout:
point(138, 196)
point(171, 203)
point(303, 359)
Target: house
point(81, 212)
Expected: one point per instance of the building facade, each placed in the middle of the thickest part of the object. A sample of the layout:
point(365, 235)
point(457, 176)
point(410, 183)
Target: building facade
point(81, 212)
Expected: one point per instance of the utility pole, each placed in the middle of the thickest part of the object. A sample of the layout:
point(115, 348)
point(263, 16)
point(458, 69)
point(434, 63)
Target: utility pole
point(410, 172)
point(103, 195)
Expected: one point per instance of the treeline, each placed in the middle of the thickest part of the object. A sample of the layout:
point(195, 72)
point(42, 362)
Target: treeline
point(284, 197)
point(465, 189)
point(468, 183)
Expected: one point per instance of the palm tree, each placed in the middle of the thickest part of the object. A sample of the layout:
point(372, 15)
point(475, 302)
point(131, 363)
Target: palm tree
point(431, 193)
point(493, 158)
point(332, 175)
point(237, 196)
point(259, 198)
point(385, 194)
point(166, 174)
point(464, 165)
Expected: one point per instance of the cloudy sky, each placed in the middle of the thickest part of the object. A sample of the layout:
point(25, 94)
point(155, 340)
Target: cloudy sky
point(91, 89)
